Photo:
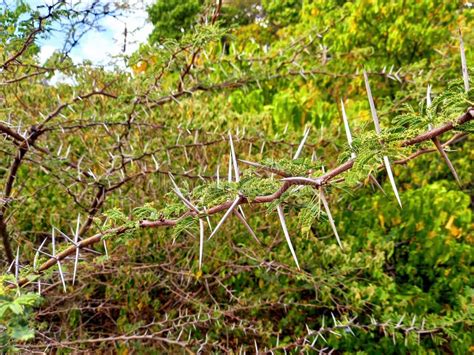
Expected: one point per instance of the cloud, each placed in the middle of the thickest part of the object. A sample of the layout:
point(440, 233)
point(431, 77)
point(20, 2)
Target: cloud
point(96, 47)
point(100, 46)
point(138, 29)
point(45, 52)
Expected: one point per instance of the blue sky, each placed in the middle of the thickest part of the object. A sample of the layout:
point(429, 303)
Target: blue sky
point(100, 46)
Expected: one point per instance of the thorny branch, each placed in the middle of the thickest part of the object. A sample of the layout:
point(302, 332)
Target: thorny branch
point(24, 144)
point(287, 183)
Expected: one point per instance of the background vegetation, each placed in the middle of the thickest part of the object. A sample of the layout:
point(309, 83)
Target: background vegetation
point(84, 155)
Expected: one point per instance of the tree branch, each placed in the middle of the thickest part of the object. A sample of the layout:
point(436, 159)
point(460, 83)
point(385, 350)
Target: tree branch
point(287, 183)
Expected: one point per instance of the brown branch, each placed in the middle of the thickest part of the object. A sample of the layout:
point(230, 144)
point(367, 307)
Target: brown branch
point(122, 338)
point(287, 183)
point(187, 70)
point(96, 205)
point(23, 77)
point(466, 117)
point(58, 109)
point(5, 238)
point(28, 42)
point(22, 150)
point(30, 39)
point(11, 133)
point(34, 133)
point(181, 92)
point(445, 157)
point(456, 138)
point(385, 328)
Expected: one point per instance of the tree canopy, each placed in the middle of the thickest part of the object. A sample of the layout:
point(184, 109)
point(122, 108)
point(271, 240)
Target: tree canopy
point(259, 176)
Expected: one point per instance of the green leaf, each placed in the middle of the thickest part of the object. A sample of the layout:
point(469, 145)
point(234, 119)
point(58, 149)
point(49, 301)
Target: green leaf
point(3, 309)
point(28, 299)
point(22, 333)
point(16, 308)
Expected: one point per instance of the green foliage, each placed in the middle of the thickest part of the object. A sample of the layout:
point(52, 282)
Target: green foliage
point(395, 32)
point(282, 12)
point(172, 18)
point(16, 311)
point(239, 12)
point(402, 282)
point(15, 24)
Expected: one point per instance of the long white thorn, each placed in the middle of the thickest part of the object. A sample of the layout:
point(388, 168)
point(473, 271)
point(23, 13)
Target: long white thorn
point(228, 212)
point(331, 220)
point(178, 193)
point(437, 143)
point(392, 179)
point(287, 235)
point(17, 263)
point(157, 165)
point(11, 266)
point(44, 253)
point(53, 237)
point(61, 275)
point(445, 157)
point(428, 95)
point(201, 242)
point(371, 103)
point(104, 242)
point(303, 141)
point(186, 202)
point(251, 163)
point(208, 219)
point(428, 102)
point(347, 128)
point(234, 159)
point(245, 223)
point(310, 181)
point(173, 181)
point(35, 260)
point(53, 241)
point(241, 210)
point(323, 196)
point(78, 225)
point(229, 172)
point(465, 74)
point(377, 129)
point(76, 238)
point(376, 183)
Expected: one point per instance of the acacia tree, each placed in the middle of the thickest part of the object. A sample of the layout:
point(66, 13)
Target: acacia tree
point(198, 137)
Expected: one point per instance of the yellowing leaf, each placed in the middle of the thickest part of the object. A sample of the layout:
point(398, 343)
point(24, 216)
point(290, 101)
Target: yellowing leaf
point(382, 220)
point(419, 226)
point(455, 231)
point(450, 223)
point(396, 220)
point(140, 67)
